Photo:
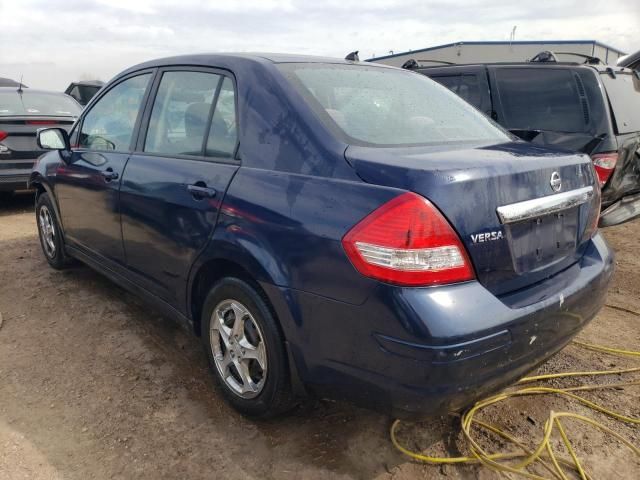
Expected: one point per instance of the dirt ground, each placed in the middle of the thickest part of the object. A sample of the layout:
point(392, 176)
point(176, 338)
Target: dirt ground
point(93, 384)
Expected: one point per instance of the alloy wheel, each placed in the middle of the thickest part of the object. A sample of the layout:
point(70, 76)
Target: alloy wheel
point(47, 231)
point(239, 350)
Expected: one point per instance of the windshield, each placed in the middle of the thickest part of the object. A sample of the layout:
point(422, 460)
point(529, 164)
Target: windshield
point(52, 104)
point(387, 107)
point(624, 95)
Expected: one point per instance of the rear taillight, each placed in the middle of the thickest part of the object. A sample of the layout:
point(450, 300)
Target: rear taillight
point(3, 135)
point(408, 242)
point(604, 164)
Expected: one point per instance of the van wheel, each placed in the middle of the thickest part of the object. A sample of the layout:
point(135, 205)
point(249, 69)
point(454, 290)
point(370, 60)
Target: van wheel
point(246, 349)
point(50, 233)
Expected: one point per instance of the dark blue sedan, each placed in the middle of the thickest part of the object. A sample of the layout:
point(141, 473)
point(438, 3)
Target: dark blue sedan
point(329, 227)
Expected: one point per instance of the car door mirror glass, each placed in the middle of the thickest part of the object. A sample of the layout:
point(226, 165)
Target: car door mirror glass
point(53, 139)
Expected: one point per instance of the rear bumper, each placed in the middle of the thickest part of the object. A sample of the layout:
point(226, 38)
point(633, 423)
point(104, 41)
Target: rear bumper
point(14, 181)
point(427, 351)
point(624, 210)
point(12, 178)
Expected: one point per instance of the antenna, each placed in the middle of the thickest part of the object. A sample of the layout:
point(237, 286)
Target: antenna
point(512, 37)
point(20, 86)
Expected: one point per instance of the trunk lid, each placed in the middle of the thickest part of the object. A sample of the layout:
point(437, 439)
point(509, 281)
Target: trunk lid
point(468, 185)
point(19, 148)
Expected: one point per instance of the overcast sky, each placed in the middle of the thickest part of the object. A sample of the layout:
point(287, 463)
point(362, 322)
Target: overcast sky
point(51, 42)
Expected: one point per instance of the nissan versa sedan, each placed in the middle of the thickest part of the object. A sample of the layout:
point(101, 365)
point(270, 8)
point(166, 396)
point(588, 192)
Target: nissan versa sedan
point(328, 228)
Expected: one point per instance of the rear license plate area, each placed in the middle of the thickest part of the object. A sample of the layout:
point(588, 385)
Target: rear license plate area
point(539, 242)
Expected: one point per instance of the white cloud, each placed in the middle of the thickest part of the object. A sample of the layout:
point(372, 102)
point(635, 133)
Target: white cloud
point(52, 43)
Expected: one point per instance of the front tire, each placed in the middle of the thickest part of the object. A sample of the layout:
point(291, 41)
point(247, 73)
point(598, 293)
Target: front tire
point(50, 233)
point(246, 349)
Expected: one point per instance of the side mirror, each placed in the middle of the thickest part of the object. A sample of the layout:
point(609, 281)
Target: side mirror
point(53, 139)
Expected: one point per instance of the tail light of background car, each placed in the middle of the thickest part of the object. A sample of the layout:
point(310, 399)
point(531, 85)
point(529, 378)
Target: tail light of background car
point(604, 164)
point(3, 135)
point(408, 242)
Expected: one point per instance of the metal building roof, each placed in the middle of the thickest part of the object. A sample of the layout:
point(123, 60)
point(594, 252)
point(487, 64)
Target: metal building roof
point(503, 42)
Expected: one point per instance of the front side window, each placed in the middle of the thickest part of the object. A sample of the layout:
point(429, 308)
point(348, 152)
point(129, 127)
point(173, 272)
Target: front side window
point(180, 113)
point(376, 106)
point(110, 123)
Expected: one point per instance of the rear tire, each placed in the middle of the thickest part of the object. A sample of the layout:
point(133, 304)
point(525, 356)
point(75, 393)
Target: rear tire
point(246, 350)
point(50, 233)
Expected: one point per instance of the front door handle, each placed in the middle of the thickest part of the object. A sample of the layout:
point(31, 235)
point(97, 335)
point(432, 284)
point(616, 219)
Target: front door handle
point(109, 174)
point(201, 191)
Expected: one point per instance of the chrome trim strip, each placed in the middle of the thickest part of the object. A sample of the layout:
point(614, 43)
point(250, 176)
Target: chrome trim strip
point(539, 207)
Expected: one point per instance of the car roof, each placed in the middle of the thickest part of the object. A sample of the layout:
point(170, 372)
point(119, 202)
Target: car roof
point(229, 59)
point(599, 67)
point(9, 82)
point(93, 83)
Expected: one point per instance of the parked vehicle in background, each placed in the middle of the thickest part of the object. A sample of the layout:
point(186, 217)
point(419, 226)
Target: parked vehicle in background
point(631, 61)
point(586, 108)
point(332, 226)
point(8, 82)
point(84, 90)
point(22, 113)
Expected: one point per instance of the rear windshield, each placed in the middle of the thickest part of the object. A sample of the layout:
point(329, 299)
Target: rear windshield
point(624, 95)
point(38, 103)
point(554, 99)
point(84, 93)
point(375, 106)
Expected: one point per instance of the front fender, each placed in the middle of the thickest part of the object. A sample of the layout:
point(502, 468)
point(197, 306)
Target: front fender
point(43, 175)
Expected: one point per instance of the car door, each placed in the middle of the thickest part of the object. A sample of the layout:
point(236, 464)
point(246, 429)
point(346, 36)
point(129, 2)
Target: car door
point(176, 179)
point(87, 185)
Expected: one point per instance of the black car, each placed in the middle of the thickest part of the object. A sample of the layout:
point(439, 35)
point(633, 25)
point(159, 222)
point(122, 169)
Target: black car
point(84, 91)
point(589, 108)
point(22, 113)
point(8, 82)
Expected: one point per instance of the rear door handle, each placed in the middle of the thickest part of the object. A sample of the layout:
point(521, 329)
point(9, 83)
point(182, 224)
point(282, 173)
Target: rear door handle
point(109, 174)
point(201, 191)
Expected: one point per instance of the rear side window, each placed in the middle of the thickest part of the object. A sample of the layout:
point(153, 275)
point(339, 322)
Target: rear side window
point(465, 86)
point(180, 114)
point(75, 93)
point(542, 99)
point(110, 123)
point(223, 134)
point(624, 95)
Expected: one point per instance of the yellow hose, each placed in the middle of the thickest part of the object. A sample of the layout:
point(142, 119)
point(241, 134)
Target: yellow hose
point(543, 454)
